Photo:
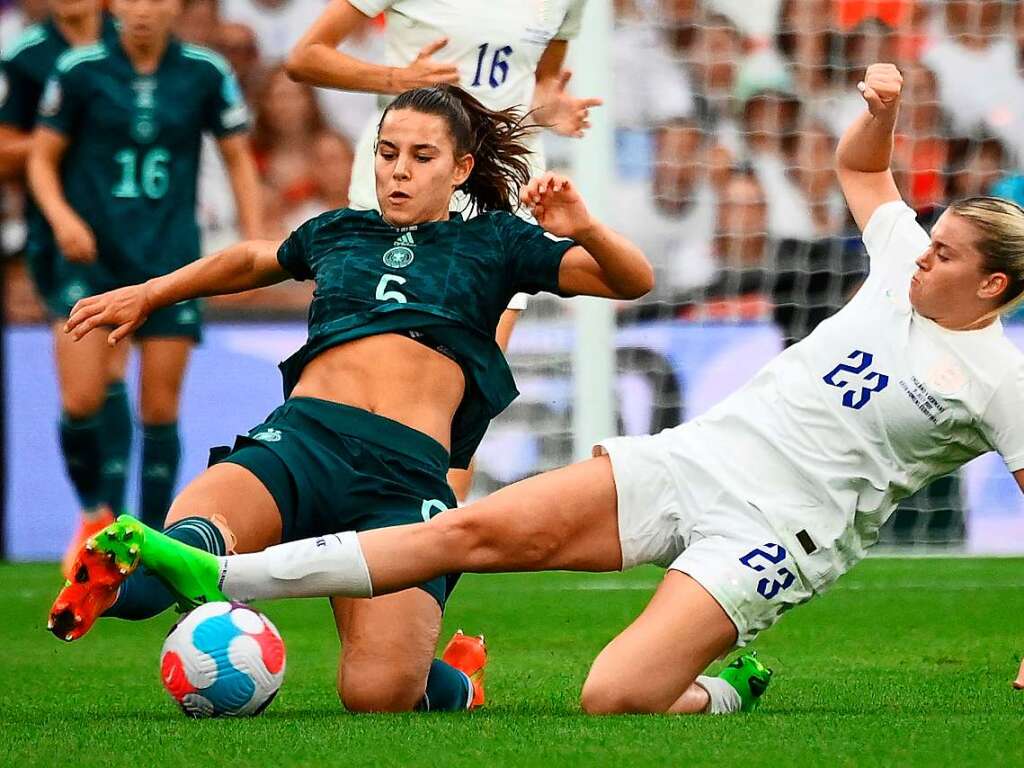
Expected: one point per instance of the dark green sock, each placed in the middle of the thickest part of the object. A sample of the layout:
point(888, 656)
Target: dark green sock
point(117, 444)
point(448, 689)
point(161, 451)
point(80, 444)
point(142, 594)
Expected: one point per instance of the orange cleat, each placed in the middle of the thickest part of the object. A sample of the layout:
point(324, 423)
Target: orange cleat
point(468, 655)
point(89, 526)
point(96, 577)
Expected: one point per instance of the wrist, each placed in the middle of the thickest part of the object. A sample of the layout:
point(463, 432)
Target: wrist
point(586, 230)
point(150, 296)
point(397, 81)
point(885, 119)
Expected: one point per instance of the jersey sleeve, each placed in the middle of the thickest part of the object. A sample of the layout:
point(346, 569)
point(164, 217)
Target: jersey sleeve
point(533, 256)
point(1003, 421)
point(62, 102)
point(894, 240)
point(371, 8)
point(226, 112)
point(293, 255)
point(572, 22)
point(19, 96)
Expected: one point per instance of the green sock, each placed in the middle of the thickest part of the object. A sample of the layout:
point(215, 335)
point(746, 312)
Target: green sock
point(161, 451)
point(80, 444)
point(117, 443)
point(143, 595)
point(448, 689)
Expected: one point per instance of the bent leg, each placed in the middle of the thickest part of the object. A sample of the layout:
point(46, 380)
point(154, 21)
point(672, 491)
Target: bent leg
point(236, 501)
point(387, 649)
point(225, 507)
point(652, 665)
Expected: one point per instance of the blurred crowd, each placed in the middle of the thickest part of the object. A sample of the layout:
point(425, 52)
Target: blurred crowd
point(727, 115)
point(728, 184)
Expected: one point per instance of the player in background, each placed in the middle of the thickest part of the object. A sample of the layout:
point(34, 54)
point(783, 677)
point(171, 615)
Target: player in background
point(756, 505)
point(24, 70)
point(399, 379)
point(506, 54)
point(113, 169)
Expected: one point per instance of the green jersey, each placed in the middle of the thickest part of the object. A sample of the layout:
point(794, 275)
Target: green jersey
point(444, 283)
point(131, 166)
point(24, 69)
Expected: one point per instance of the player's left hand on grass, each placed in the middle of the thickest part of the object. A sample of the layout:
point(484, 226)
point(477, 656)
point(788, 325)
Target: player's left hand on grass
point(565, 114)
point(124, 309)
point(555, 204)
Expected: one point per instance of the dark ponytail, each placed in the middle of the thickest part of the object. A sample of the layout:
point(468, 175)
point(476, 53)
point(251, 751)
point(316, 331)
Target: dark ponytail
point(494, 138)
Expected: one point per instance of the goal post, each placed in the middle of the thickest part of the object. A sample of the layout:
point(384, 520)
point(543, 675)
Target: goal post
point(593, 171)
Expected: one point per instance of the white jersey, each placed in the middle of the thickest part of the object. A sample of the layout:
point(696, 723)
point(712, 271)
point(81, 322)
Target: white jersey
point(872, 406)
point(496, 46)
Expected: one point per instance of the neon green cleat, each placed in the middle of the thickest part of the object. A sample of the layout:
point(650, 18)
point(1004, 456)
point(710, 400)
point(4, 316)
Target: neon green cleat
point(191, 574)
point(749, 677)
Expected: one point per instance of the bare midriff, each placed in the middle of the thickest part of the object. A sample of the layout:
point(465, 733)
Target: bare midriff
point(392, 376)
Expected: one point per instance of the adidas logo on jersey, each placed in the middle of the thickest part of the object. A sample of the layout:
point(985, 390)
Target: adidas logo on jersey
point(405, 239)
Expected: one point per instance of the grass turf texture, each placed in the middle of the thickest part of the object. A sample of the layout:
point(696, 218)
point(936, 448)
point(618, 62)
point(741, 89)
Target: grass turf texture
point(903, 662)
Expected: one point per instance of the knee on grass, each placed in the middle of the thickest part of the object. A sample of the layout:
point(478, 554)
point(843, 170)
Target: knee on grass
point(380, 688)
point(616, 696)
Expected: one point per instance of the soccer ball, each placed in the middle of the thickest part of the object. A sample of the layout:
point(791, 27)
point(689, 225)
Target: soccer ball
point(222, 659)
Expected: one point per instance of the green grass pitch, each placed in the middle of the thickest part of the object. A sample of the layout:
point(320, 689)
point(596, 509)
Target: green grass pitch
point(903, 662)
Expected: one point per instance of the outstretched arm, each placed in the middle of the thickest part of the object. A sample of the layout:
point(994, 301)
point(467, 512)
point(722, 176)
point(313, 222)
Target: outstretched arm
point(241, 267)
point(865, 149)
point(605, 263)
point(316, 60)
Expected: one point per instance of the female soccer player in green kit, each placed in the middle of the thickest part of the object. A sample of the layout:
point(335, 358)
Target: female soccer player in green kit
point(398, 380)
point(24, 70)
point(506, 54)
point(113, 168)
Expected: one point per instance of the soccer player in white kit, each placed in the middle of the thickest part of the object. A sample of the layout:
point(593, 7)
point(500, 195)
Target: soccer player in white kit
point(755, 506)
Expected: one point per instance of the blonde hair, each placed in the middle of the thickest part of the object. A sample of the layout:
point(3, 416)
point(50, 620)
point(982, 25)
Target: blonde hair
point(1000, 226)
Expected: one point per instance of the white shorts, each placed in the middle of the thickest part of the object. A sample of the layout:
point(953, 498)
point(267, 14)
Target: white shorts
point(678, 510)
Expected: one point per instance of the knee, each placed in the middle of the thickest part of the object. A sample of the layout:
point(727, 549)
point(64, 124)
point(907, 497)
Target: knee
point(82, 402)
point(607, 696)
point(159, 408)
point(380, 690)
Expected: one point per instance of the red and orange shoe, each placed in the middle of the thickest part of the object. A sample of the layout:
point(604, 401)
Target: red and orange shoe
point(89, 526)
point(468, 655)
point(92, 588)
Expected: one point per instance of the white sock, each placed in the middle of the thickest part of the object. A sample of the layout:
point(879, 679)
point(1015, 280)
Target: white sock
point(325, 566)
point(723, 698)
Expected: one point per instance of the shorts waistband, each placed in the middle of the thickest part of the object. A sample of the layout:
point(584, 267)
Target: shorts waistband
point(374, 428)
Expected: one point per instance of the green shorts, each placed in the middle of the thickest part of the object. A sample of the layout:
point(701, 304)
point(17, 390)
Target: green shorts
point(331, 467)
point(71, 284)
